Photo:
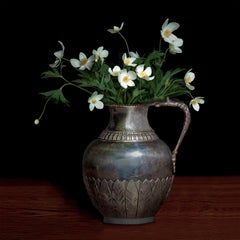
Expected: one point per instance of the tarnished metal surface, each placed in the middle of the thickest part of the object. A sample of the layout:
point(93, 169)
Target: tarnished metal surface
point(128, 171)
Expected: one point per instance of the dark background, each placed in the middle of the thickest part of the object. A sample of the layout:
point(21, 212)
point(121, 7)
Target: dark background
point(29, 36)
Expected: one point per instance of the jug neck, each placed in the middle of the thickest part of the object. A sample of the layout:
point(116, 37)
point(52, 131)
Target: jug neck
point(128, 118)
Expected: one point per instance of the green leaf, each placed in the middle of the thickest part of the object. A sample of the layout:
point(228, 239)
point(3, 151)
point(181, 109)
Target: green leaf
point(55, 96)
point(54, 73)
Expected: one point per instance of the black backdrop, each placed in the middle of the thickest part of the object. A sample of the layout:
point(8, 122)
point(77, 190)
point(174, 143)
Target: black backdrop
point(29, 36)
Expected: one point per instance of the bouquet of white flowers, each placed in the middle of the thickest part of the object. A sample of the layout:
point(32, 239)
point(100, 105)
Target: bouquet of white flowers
point(134, 80)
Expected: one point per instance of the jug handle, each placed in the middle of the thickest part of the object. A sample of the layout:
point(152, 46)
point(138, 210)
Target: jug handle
point(187, 120)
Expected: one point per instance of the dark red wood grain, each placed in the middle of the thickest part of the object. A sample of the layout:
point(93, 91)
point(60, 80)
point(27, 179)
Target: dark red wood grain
point(198, 207)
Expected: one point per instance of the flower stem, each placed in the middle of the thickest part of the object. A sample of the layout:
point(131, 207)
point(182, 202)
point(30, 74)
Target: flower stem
point(43, 111)
point(74, 85)
point(124, 41)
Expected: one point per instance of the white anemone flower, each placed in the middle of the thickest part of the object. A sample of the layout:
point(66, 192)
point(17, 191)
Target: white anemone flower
point(100, 53)
point(94, 101)
point(174, 47)
point(128, 61)
point(126, 78)
point(144, 73)
point(188, 78)
point(116, 29)
point(167, 31)
point(115, 71)
point(83, 62)
point(59, 55)
point(134, 54)
point(195, 103)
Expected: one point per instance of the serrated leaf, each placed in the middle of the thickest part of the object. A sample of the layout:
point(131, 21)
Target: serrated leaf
point(54, 73)
point(55, 96)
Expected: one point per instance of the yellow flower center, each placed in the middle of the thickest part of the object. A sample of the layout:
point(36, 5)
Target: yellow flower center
point(188, 79)
point(127, 61)
point(167, 33)
point(83, 61)
point(94, 100)
point(143, 74)
point(126, 79)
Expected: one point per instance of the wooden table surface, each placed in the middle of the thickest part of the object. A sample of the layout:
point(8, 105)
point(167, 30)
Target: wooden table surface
point(198, 207)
